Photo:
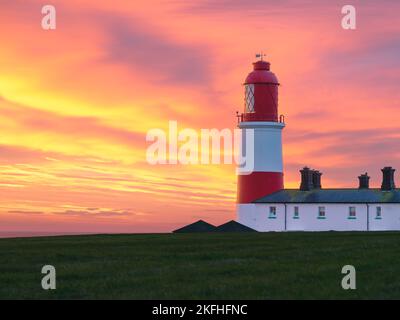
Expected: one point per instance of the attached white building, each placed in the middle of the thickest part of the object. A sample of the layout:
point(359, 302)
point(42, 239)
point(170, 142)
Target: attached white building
point(312, 208)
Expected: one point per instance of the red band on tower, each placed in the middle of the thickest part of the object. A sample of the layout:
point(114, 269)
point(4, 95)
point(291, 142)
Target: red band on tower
point(257, 185)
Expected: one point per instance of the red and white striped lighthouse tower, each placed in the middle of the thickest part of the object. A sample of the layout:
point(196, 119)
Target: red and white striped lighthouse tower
point(261, 115)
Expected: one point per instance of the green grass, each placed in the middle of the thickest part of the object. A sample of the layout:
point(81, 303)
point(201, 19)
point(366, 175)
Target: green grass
point(203, 266)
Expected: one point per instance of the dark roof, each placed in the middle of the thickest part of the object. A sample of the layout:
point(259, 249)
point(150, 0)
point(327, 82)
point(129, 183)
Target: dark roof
point(198, 226)
point(332, 196)
point(233, 226)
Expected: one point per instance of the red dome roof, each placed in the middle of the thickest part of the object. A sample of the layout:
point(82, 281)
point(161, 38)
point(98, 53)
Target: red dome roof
point(261, 74)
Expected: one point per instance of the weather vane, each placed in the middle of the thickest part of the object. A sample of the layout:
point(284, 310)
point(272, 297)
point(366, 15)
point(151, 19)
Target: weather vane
point(261, 55)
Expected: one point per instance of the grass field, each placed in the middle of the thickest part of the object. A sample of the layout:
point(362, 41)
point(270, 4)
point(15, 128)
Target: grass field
point(203, 266)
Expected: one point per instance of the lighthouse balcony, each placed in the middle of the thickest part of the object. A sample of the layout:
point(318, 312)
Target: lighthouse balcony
point(245, 117)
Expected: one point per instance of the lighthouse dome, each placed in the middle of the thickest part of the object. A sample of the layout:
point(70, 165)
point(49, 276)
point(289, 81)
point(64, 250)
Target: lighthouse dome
point(261, 94)
point(261, 74)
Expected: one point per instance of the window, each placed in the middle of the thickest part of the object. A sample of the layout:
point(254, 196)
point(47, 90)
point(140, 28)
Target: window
point(272, 212)
point(378, 213)
point(249, 98)
point(321, 212)
point(352, 212)
point(296, 213)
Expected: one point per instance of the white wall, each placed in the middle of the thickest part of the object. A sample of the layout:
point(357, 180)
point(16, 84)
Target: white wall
point(390, 217)
point(257, 216)
point(336, 217)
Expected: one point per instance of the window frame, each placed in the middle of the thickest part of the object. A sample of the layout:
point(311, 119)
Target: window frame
point(296, 212)
point(249, 98)
point(352, 214)
point(272, 212)
point(378, 213)
point(321, 209)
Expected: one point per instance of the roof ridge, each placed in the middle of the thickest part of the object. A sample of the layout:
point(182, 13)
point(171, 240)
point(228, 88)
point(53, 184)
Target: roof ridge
point(332, 195)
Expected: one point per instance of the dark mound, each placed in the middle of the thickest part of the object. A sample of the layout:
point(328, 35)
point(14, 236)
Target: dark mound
point(233, 226)
point(198, 226)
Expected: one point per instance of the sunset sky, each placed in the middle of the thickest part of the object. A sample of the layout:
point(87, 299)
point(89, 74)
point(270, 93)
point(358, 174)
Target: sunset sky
point(76, 103)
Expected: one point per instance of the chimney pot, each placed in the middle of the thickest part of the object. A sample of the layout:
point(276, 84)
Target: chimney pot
point(364, 181)
point(316, 179)
point(306, 179)
point(388, 179)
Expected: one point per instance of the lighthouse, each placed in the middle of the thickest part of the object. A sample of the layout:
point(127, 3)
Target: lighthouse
point(262, 202)
point(261, 116)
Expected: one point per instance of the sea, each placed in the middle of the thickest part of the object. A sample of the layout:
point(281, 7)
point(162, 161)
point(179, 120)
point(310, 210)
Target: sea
point(28, 234)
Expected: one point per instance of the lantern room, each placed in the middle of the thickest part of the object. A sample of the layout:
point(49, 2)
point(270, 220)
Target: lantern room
point(261, 94)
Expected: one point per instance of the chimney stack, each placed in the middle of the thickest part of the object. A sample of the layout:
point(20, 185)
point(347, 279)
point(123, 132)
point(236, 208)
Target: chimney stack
point(364, 181)
point(316, 179)
point(306, 179)
point(388, 179)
